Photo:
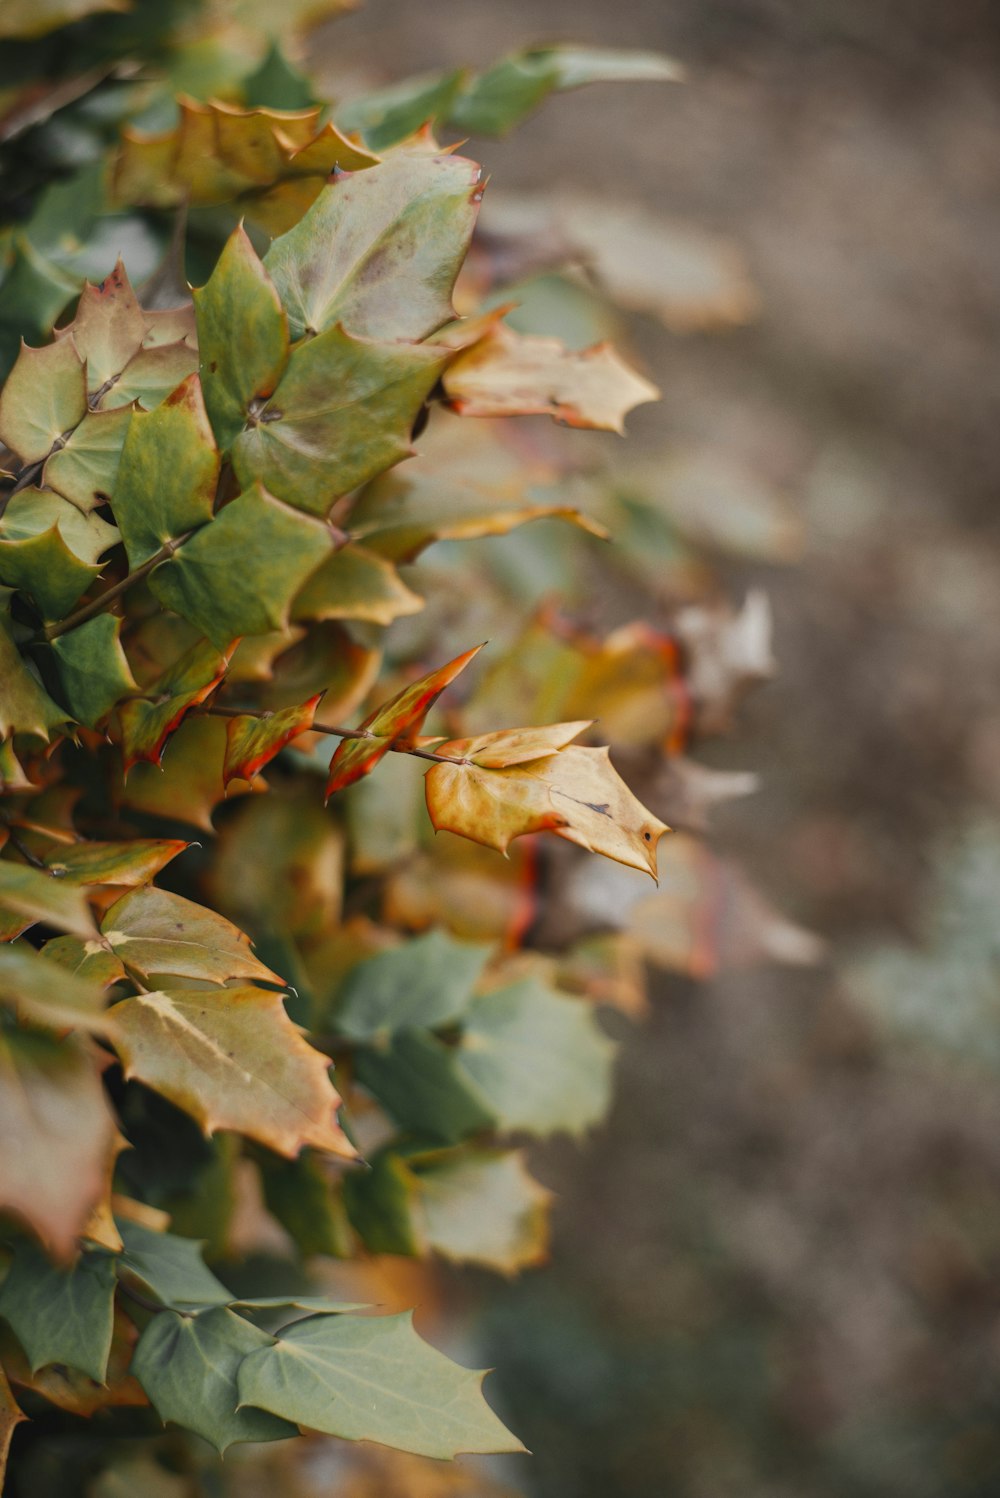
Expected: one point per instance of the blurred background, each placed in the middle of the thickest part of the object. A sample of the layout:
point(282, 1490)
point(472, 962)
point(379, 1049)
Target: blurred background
point(776, 1270)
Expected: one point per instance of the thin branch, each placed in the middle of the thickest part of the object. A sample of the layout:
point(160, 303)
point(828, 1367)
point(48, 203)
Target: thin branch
point(337, 733)
point(103, 603)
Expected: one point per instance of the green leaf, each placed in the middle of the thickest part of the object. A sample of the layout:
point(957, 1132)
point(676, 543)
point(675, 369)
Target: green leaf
point(94, 673)
point(342, 413)
point(188, 1367)
point(32, 295)
point(420, 1083)
point(168, 472)
point(389, 115)
point(25, 706)
point(130, 863)
point(32, 18)
point(424, 984)
point(379, 250)
point(238, 576)
point(232, 1059)
point(85, 469)
point(304, 1199)
point(276, 84)
point(373, 1379)
point(356, 583)
point(154, 931)
point(145, 723)
point(242, 336)
point(539, 1059)
point(169, 1268)
point(156, 370)
point(58, 1315)
point(50, 550)
point(380, 1202)
point(44, 396)
point(28, 896)
point(84, 959)
point(43, 997)
point(483, 1207)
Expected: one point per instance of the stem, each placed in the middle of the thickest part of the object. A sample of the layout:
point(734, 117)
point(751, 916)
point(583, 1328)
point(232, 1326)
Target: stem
point(102, 604)
point(16, 841)
point(337, 733)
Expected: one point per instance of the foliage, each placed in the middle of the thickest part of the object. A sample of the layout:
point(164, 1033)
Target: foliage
point(204, 538)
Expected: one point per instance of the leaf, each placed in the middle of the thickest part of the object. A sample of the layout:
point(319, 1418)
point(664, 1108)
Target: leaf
point(170, 1268)
point(355, 583)
point(109, 327)
point(25, 706)
point(252, 742)
point(154, 931)
point(73, 1391)
point(11, 1416)
point(188, 1367)
point(61, 1315)
point(516, 746)
point(303, 1198)
point(189, 786)
point(44, 997)
point(145, 723)
point(91, 959)
point(422, 1086)
point(483, 1207)
point(389, 115)
point(44, 396)
point(538, 1058)
point(130, 863)
point(242, 336)
point(424, 984)
point(273, 162)
point(28, 896)
point(373, 1379)
point(232, 1059)
point(32, 295)
point(380, 1203)
point(31, 18)
point(168, 472)
point(84, 469)
point(57, 1130)
point(395, 721)
point(50, 550)
point(513, 374)
point(94, 673)
point(156, 370)
point(342, 412)
point(277, 548)
point(575, 793)
point(378, 252)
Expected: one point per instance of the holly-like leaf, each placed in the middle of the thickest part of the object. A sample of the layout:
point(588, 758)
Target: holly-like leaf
point(61, 1315)
point(156, 370)
point(189, 785)
point(421, 1084)
point(84, 469)
point(373, 1379)
point(516, 746)
point(304, 1199)
point(94, 672)
point(109, 327)
point(168, 472)
point(379, 251)
point(40, 996)
point(11, 1416)
point(422, 984)
point(242, 336)
point(69, 1390)
point(28, 896)
point(395, 721)
point(130, 863)
point(252, 742)
point(85, 959)
point(342, 412)
point(44, 396)
point(57, 1130)
point(232, 1059)
point(188, 1366)
point(273, 162)
point(482, 1207)
point(145, 723)
point(239, 575)
point(154, 931)
point(513, 374)
point(575, 793)
point(355, 583)
point(169, 1267)
point(50, 550)
point(25, 706)
point(538, 1059)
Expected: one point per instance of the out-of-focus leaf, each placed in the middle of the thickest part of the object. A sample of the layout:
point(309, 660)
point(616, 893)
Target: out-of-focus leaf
point(483, 1207)
point(31, 18)
point(373, 1379)
point(57, 1129)
point(40, 996)
point(188, 1366)
point(421, 1084)
point(61, 1315)
point(154, 931)
point(302, 1196)
point(356, 583)
point(170, 1268)
point(27, 896)
point(727, 654)
point(466, 887)
point(94, 673)
point(11, 1416)
point(189, 786)
point(32, 294)
point(423, 984)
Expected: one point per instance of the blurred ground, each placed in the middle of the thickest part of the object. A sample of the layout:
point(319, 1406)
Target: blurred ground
point(778, 1268)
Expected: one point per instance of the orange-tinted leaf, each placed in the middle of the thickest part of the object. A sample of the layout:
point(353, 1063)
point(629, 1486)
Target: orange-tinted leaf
point(145, 723)
point(154, 931)
point(74, 1391)
point(232, 1059)
point(252, 742)
point(394, 723)
point(515, 746)
point(575, 792)
point(509, 374)
point(129, 864)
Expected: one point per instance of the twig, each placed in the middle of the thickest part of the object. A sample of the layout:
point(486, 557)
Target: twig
point(338, 733)
point(107, 598)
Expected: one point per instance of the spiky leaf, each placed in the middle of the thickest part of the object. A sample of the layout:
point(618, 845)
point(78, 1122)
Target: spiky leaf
point(61, 1315)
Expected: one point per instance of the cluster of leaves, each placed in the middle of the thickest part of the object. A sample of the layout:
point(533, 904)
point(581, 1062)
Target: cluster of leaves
point(204, 538)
